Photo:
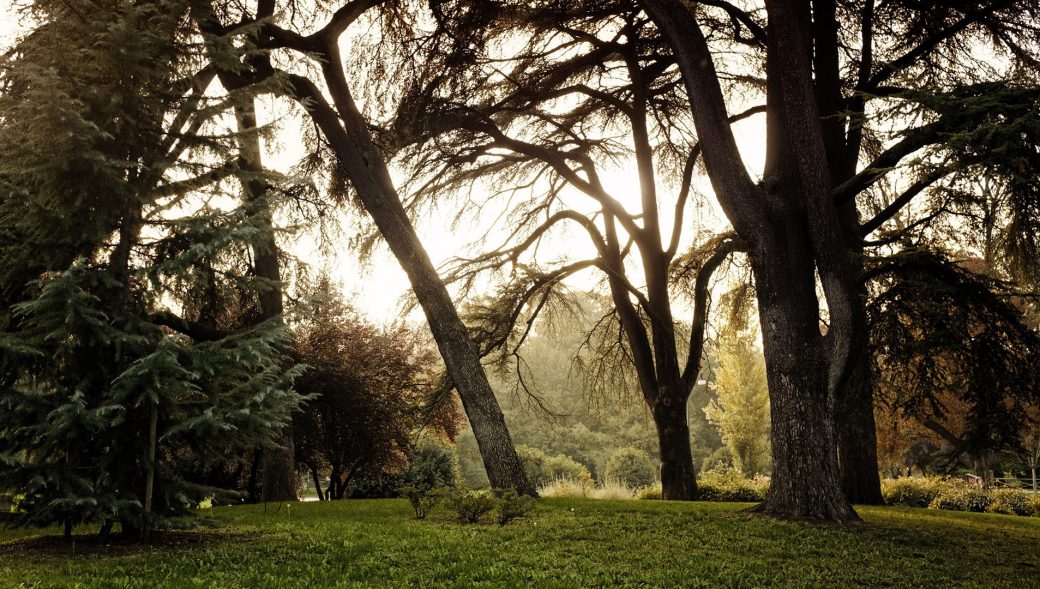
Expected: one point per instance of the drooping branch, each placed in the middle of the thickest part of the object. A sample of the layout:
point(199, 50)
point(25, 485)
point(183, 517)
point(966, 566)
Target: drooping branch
point(912, 141)
point(701, 304)
point(901, 201)
point(931, 42)
point(687, 182)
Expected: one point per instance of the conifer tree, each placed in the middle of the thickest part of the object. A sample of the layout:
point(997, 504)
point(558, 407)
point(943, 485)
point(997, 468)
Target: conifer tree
point(120, 231)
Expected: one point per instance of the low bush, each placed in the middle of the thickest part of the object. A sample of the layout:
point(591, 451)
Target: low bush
point(542, 469)
point(728, 484)
point(423, 500)
point(512, 505)
point(1010, 502)
point(1033, 505)
point(651, 493)
point(432, 464)
point(959, 497)
point(470, 506)
point(911, 492)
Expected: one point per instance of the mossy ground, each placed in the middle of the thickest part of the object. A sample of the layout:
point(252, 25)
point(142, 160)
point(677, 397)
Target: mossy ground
point(563, 543)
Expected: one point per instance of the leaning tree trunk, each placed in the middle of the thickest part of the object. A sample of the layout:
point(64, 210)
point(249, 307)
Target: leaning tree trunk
point(678, 479)
point(805, 482)
point(348, 135)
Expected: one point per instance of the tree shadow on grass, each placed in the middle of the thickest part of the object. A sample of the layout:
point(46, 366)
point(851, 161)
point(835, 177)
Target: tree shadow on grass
point(88, 544)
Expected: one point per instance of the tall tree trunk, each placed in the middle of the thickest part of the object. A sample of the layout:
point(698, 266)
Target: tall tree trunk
point(149, 486)
point(805, 482)
point(678, 479)
point(347, 133)
point(279, 470)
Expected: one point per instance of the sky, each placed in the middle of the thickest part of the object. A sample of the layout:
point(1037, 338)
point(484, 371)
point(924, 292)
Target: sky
point(377, 285)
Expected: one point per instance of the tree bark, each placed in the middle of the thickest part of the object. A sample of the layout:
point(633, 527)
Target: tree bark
point(805, 482)
point(856, 430)
point(348, 135)
point(678, 479)
point(149, 486)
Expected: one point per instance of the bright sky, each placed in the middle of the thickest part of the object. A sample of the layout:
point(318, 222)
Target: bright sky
point(378, 286)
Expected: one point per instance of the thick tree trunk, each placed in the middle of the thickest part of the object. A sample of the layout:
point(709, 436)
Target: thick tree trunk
point(678, 479)
point(348, 135)
point(805, 482)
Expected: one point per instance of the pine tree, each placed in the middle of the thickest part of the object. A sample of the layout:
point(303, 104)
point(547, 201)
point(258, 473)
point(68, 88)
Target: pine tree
point(112, 162)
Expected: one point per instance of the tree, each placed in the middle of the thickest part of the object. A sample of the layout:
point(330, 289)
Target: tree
point(952, 352)
point(107, 166)
point(801, 221)
point(587, 88)
point(346, 135)
point(741, 409)
point(369, 388)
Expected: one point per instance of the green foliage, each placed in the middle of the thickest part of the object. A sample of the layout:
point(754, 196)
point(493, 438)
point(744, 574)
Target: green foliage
point(470, 506)
point(910, 491)
point(631, 467)
point(512, 505)
point(433, 464)
point(741, 409)
point(1033, 505)
point(652, 493)
point(542, 469)
point(720, 458)
point(947, 342)
point(727, 484)
point(422, 500)
point(1010, 502)
point(108, 168)
point(960, 497)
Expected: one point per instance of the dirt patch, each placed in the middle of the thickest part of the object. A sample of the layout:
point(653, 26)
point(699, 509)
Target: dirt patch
point(88, 545)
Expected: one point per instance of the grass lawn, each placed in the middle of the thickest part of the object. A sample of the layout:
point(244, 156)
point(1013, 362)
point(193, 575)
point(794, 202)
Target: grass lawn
point(563, 543)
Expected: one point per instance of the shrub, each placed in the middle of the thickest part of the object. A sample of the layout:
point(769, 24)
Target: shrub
point(727, 484)
point(955, 497)
point(512, 505)
point(911, 492)
point(433, 464)
point(1033, 505)
point(470, 506)
point(1010, 502)
point(631, 467)
point(533, 461)
point(542, 469)
point(422, 500)
point(562, 466)
point(651, 493)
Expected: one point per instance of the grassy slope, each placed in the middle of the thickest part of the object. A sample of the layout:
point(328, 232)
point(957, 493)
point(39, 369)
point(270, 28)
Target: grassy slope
point(565, 543)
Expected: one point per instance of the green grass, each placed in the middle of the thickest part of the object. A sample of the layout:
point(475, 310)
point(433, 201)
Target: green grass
point(563, 543)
